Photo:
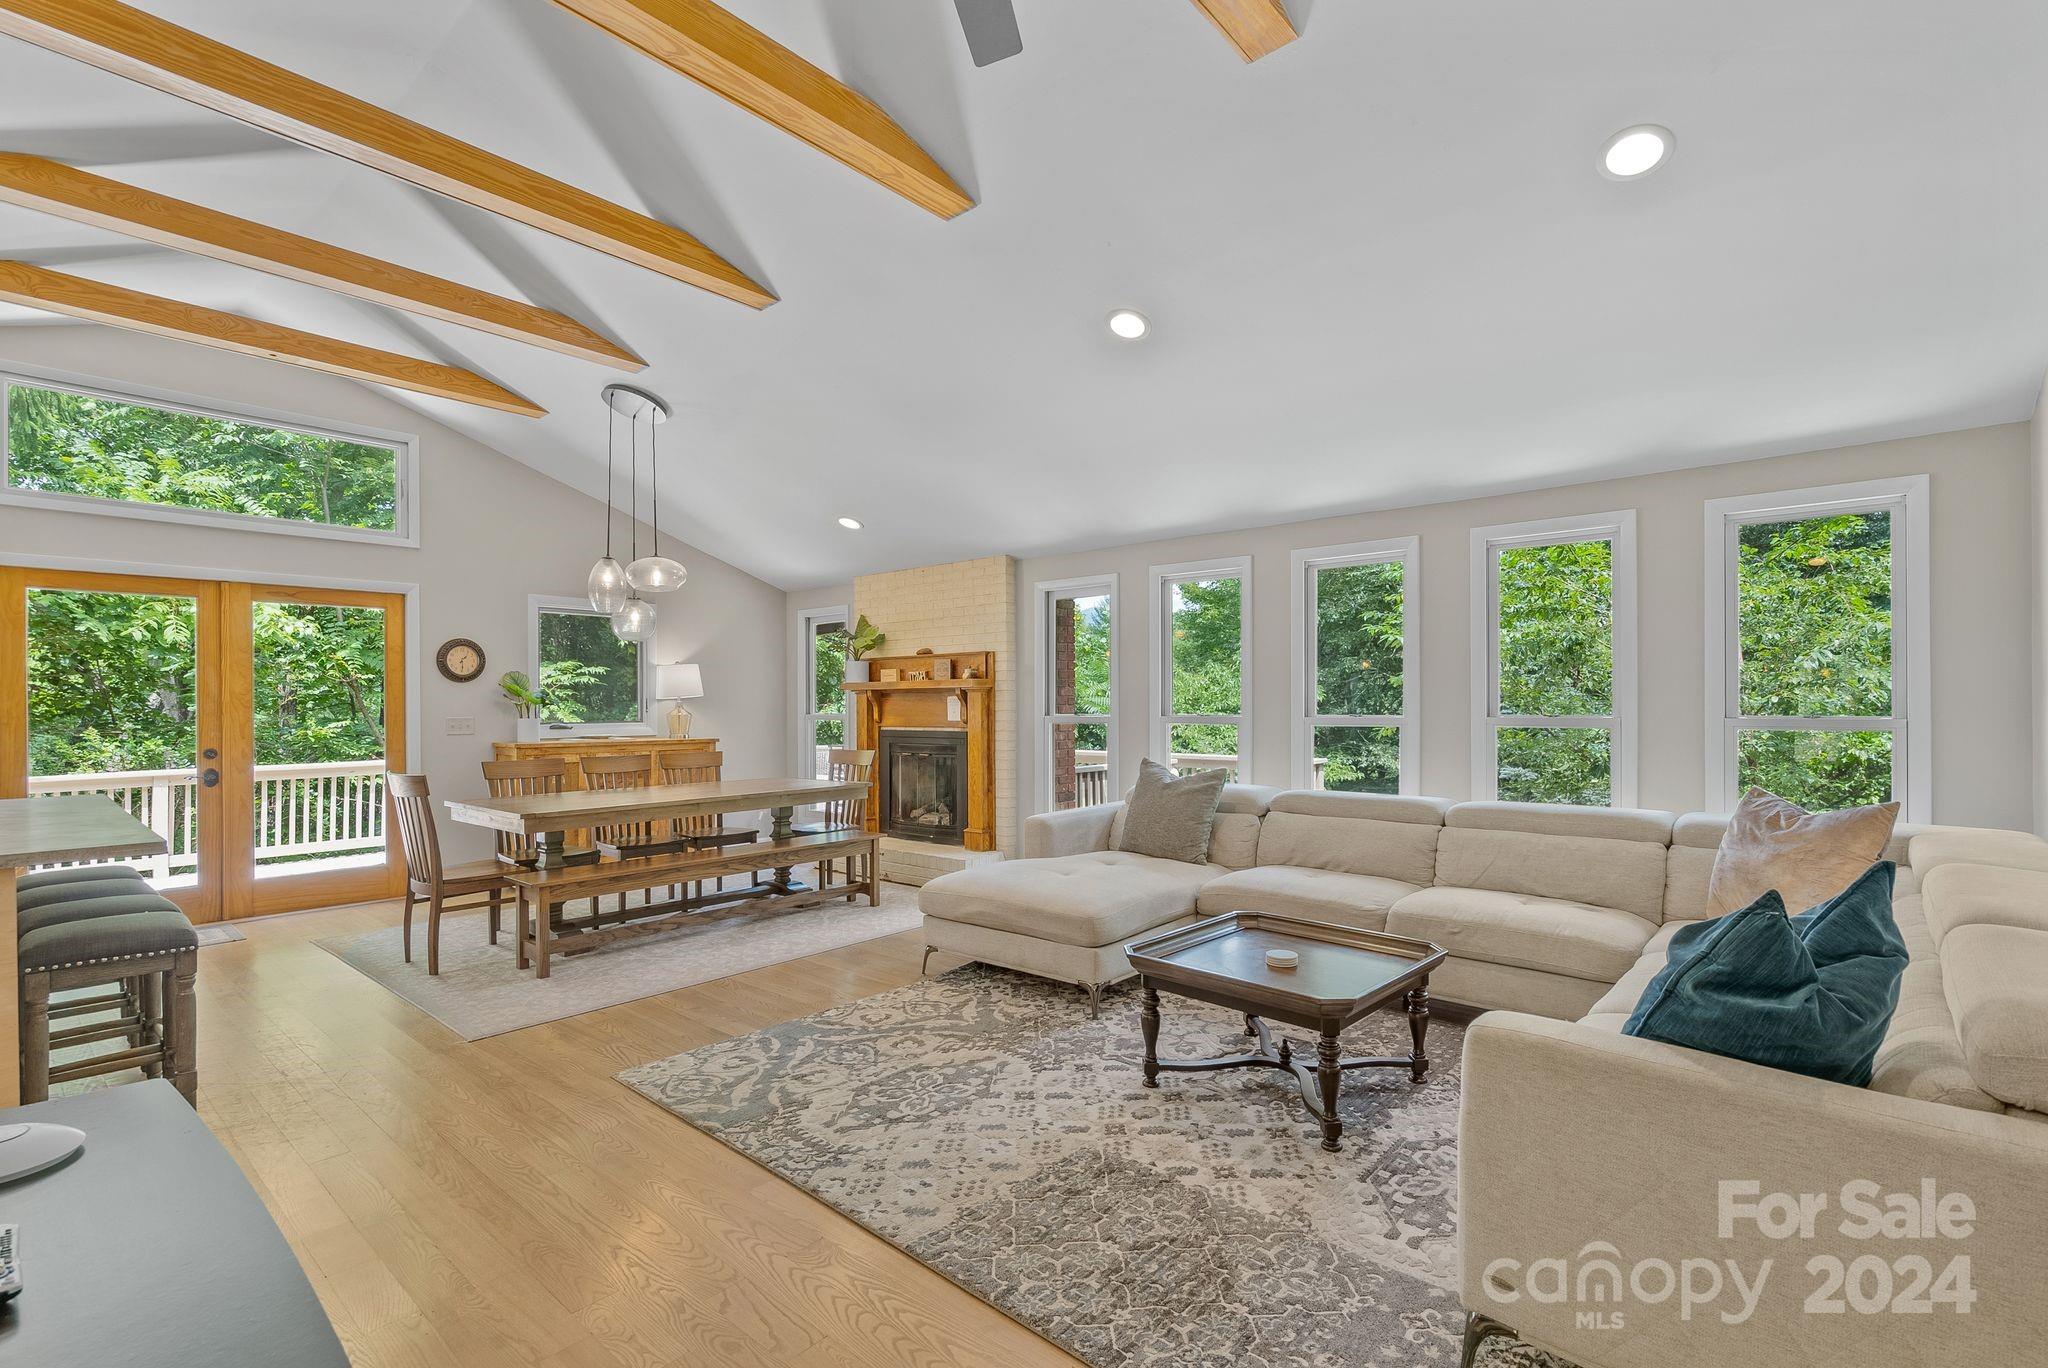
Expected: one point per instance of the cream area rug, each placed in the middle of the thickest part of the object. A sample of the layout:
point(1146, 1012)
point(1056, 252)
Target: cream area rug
point(985, 1125)
point(480, 992)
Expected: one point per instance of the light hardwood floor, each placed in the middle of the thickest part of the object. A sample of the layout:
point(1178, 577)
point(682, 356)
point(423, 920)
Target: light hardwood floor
point(507, 1203)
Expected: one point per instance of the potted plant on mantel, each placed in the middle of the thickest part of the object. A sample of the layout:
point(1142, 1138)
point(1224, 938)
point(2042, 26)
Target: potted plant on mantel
point(863, 640)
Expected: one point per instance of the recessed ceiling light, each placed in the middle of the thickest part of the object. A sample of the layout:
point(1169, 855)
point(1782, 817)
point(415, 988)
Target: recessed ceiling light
point(1129, 324)
point(1636, 151)
point(850, 524)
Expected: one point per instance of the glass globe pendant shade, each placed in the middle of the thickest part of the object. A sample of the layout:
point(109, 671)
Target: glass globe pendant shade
point(656, 574)
point(635, 620)
point(607, 586)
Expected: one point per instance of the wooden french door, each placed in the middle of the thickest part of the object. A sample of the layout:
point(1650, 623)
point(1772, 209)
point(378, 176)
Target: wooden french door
point(248, 724)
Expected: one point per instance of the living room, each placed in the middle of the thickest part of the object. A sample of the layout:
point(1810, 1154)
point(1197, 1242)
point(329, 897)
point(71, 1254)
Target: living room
point(785, 684)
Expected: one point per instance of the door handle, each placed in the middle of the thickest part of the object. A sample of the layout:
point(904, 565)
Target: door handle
point(209, 754)
point(210, 778)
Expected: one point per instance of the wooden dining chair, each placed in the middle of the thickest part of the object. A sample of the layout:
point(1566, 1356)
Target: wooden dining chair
point(517, 779)
point(855, 766)
point(694, 767)
point(428, 879)
point(607, 773)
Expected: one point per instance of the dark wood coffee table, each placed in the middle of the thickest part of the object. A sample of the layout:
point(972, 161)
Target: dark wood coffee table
point(1344, 974)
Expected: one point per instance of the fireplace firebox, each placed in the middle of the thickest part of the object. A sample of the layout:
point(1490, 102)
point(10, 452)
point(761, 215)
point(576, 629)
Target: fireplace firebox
point(922, 780)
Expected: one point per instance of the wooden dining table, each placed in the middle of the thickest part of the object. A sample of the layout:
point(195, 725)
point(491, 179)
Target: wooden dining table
point(558, 879)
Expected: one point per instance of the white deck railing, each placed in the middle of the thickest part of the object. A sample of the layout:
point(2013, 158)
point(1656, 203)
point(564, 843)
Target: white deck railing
point(301, 811)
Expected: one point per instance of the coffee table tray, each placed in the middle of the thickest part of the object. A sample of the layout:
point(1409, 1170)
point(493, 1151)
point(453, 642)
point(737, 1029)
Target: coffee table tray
point(1339, 964)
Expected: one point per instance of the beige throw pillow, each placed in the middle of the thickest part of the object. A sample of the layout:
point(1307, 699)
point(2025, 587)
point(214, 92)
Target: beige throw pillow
point(1168, 816)
point(1807, 856)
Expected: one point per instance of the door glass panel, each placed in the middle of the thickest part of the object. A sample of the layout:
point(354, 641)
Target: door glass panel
point(114, 710)
point(319, 737)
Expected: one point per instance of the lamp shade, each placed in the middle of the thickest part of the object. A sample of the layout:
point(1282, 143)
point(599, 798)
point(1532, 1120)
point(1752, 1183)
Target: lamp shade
point(678, 681)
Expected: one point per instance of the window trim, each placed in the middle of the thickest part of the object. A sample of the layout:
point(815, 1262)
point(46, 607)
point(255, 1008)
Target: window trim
point(803, 756)
point(405, 446)
point(1159, 733)
point(1303, 566)
point(1044, 719)
point(1619, 528)
point(1912, 659)
point(541, 729)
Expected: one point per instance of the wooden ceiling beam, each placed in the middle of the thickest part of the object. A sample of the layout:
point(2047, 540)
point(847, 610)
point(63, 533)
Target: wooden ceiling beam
point(128, 42)
point(1254, 27)
point(82, 197)
point(37, 287)
point(731, 57)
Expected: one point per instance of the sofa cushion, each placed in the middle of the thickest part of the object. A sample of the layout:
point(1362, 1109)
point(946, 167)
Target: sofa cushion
point(1921, 1057)
point(1622, 998)
point(1996, 982)
point(1984, 895)
point(1808, 857)
point(1233, 836)
point(1358, 900)
point(1099, 898)
point(1628, 875)
point(1168, 815)
point(1555, 819)
point(1811, 995)
point(1550, 934)
point(1937, 846)
point(1358, 842)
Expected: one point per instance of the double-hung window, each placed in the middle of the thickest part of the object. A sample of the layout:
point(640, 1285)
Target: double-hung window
point(1554, 661)
point(1356, 667)
point(1077, 693)
point(69, 446)
point(1201, 687)
point(820, 702)
point(1817, 661)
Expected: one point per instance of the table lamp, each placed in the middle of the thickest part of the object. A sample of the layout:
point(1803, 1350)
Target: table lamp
point(675, 683)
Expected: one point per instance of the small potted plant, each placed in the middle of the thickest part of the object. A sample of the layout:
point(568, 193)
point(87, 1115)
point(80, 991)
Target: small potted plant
point(863, 640)
point(526, 700)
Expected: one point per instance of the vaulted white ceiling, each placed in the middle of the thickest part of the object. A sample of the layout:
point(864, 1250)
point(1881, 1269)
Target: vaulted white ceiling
point(1380, 264)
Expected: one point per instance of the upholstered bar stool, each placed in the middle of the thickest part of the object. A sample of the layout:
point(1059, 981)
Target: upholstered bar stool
point(113, 943)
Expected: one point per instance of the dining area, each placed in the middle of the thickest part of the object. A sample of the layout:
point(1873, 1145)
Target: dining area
point(601, 845)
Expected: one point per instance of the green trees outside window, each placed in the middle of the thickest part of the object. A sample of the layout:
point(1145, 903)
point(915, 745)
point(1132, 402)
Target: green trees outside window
point(64, 442)
point(1555, 660)
point(828, 672)
point(1206, 655)
point(1813, 615)
point(586, 673)
point(1359, 661)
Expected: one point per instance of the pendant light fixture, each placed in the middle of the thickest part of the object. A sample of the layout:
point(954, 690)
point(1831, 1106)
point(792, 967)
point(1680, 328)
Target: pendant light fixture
point(653, 573)
point(607, 583)
point(634, 618)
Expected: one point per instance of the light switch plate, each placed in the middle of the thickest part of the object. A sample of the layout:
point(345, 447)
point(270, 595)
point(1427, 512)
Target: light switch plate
point(462, 726)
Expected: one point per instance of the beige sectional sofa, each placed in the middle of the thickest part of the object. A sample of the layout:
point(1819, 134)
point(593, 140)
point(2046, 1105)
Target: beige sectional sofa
point(1582, 1148)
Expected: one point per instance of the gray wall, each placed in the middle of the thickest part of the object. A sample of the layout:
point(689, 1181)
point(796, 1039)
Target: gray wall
point(1983, 595)
point(2038, 583)
point(492, 531)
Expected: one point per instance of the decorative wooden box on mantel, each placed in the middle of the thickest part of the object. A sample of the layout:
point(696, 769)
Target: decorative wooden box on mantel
point(960, 703)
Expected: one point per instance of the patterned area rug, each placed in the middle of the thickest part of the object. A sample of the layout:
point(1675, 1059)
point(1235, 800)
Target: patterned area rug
point(982, 1123)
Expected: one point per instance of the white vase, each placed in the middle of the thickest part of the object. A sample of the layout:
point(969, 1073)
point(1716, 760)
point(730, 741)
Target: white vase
point(856, 671)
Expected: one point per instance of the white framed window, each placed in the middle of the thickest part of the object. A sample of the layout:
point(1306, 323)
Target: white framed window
point(821, 717)
point(1817, 659)
point(1075, 625)
point(1356, 666)
point(1201, 683)
point(84, 446)
point(1554, 660)
point(591, 683)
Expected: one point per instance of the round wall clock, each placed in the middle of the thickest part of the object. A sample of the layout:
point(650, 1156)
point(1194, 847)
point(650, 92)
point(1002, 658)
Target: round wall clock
point(461, 660)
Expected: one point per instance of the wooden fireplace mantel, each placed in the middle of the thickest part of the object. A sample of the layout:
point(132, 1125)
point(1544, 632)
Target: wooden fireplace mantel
point(921, 704)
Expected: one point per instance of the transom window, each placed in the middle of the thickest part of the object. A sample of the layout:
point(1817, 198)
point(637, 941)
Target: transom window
point(587, 678)
point(96, 451)
point(1356, 660)
point(1077, 693)
point(1200, 686)
point(1814, 643)
point(1554, 661)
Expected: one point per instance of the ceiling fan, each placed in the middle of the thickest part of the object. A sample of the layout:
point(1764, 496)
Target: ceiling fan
point(991, 27)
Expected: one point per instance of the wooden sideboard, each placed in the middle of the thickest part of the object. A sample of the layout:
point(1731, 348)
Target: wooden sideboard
point(574, 748)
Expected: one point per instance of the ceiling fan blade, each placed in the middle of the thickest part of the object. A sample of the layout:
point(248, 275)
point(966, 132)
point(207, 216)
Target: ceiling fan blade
point(991, 28)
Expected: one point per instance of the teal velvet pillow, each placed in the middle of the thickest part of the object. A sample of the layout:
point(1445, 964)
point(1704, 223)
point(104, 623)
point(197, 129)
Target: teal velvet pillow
point(1810, 994)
